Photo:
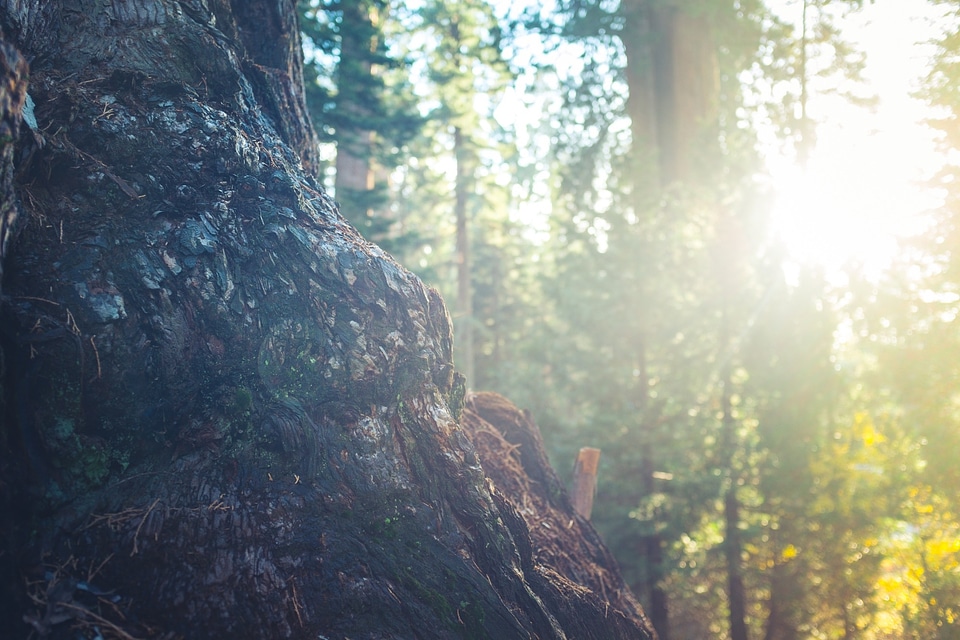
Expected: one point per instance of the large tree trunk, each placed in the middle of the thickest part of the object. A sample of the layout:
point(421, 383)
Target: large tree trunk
point(671, 76)
point(673, 80)
point(224, 413)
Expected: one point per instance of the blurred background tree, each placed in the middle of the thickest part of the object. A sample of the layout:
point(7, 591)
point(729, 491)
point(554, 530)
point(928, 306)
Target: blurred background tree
point(599, 188)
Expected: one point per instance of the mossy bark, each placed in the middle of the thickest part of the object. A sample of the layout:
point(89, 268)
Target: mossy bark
point(225, 413)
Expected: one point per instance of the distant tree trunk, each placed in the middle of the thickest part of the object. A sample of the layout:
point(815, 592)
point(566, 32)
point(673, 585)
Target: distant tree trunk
point(671, 76)
point(779, 625)
point(354, 168)
point(651, 549)
point(497, 338)
point(727, 265)
point(225, 414)
point(673, 79)
point(733, 550)
point(465, 361)
point(642, 45)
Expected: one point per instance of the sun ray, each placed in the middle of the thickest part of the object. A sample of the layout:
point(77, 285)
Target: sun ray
point(863, 189)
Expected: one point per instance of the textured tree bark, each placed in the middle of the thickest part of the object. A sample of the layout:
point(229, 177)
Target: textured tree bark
point(559, 549)
point(13, 96)
point(225, 414)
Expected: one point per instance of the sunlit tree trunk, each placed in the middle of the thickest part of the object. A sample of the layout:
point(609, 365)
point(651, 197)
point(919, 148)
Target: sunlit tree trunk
point(672, 80)
point(645, 70)
point(464, 344)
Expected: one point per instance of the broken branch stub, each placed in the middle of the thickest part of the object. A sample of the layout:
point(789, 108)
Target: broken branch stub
point(585, 481)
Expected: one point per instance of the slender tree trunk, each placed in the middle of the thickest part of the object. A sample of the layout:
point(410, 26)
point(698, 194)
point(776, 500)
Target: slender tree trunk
point(652, 552)
point(650, 545)
point(354, 168)
point(727, 265)
point(465, 361)
point(850, 630)
point(774, 608)
point(493, 327)
point(733, 550)
point(805, 143)
point(779, 624)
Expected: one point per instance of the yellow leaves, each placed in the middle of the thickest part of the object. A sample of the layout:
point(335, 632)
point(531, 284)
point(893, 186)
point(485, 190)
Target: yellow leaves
point(920, 577)
point(889, 585)
point(943, 554)
point(929, 506)
point(871, 436)
point(938, 548)
point(866, 431)
point(789, 552)
point(915, 573)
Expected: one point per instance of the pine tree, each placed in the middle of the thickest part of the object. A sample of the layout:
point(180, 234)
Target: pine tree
point(362, 103)
point(460, 151)
point(655, 203)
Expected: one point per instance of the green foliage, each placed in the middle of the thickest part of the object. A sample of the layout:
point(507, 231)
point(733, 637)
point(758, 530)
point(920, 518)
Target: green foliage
point(361, 102)
point(456, 186)
point(650, 317)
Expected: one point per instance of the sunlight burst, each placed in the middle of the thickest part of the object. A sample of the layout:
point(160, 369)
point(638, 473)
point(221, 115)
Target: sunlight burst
point(863, 190)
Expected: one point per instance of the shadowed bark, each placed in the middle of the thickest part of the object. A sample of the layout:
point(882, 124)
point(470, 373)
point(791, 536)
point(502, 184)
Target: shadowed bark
point(225, 414)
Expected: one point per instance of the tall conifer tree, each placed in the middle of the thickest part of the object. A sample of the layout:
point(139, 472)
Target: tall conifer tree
point(361, 101)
